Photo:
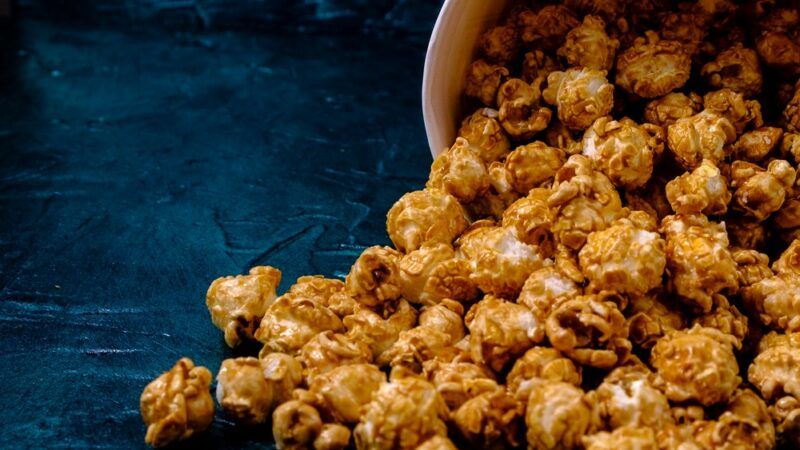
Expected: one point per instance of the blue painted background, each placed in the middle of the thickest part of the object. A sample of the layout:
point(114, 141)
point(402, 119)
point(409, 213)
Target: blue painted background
point(146, 150)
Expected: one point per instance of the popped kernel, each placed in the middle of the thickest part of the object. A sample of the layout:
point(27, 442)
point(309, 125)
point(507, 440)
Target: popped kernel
point(789, 261)
point(558, 135)
point(501, 331)
point(627, 257)
point(626, 397)
point(295, 425)
point(432, 273)
point(430, 215)
point(754, 146)
point(699, 263)
point(539, 365)
point(653, 67)
point(545, 288)
point(559, 415)
point(491, 418)
point(328, 350)
point(342, 392)
point(403, 414)
point(238, 303)
point(759, 192)
point(283, 373)
point(732, 105)
point(688, 27)
point(460, 172)
point(500, 262)
point(458, 381)
point(590, 330)
point(623, 150)
point(177, 405)
point(705, 135)
point(520, 114)
point(778, 50)
point(735, 68)
point(776, 301)
point(696, 364)
point(380, 331)
point(547, 28)
point(580, 95)
point(703, 190)
point(753, 266)
point(650, 198)
point(243, 392)
point(588, 45)
point(530, 218)
point(584, 200)
point(484, 80)
point(725, 318)
point(332, 436)
point(650, 318)
point(666, 110)
point(483, 131)
point(536, 65)
point(500, 44)
point(291, 321)
point(623, 438)
point(745, 423)
point(317, 288)
point(532, 165)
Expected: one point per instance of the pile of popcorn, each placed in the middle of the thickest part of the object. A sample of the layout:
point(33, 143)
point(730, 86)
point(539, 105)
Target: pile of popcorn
point(608, 257)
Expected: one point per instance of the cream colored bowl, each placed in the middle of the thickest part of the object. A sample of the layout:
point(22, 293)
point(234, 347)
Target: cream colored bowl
point(450, 52)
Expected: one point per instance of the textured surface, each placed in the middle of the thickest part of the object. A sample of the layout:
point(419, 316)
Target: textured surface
point(135, 167)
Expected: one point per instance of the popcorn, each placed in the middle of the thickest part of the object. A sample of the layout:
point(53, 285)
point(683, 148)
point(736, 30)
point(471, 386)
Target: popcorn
point(776, 300)
point(501, 331)
point(727, 319)
point(520, 114)
point(432, 273)
point(238, 303)
point(460, 172)
point(500, 44)
point(588, 45)
point(332, 436)
point(626, 397)
point(295, 425)
point(627, 257)
point(774, 372)
point(789, 261)
point(533, 164)
point(403, 414)
point(317, 288)
point(639, 438)
point(703, 190)
point(755, 145)
point(652, 67)
point(536, 65)
point(791, 114)
point(283, 373)
point(342, 392)
point(778, 50)
point(485, 135)
point(437, 443)
point(545, 288)
point(547, 28)
point(650, 318)
point(177, 404)
point(559, 415)
point(666, 110)
point(380, 331)
point(329, 350)
point(540, 365)
point(705, 135)
point(696, 365)
point(484, 80)
point(491, 418)
point(732, 105)
point(458, 381)
point(530, 218)
point(760, 192)
point(243, 391)
point(291, 321)
point(736, 68)
point(430, 215)
point(581, 96)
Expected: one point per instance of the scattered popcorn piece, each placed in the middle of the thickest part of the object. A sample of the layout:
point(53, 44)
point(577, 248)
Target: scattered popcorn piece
point(580, 95)
point(491, 418)
point(540, 365)
point(776, 301)
point(342, 392)
point(328, 350)
point(650, 318)
point(545, 288)
point(666, 110)
point(626, 397)
point(520, 114)
point(243, 392)
point(291, 321)
point(741, 113)
point(238, 303)
point(623, 438)
point(537, 65)
point(437, 443)
point(432, 273)
point(559, 415)
point(756, 145)
point(736, 68)
point(380, 331)
point(791, 114)
point(588, 45)
point(760, 192)
point(532, 165)
point(705, 135)
point(500, 44)
point(484, 80)
point(295, 425)
point(458, 381)
point(703, 190)
point(547, 28)
point(485, 135)
point(283, 373)
point(652, 67)
point(177, 404)
point(332, 436)
point(430, 215)
point(460, 172)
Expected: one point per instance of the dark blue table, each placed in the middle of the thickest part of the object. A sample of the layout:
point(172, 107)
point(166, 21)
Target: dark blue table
point(138, 163)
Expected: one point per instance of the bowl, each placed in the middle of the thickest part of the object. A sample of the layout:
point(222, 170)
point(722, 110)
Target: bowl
point(450, 52)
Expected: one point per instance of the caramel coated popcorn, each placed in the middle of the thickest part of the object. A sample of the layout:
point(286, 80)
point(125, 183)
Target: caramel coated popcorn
point(703, 136)
point(703, 190)
point(483, 81)
point(588, 45)
point(485, 135)
point(540, 365)
point(295, 425)
point(580, 95)
point(666, 110)
point(559, 415)
point(491, 418)
point(652, 67)
point(627, 397)
point(623, 438)
point(291, 321)
point(329, 350)
point(460, 172)
point(533, 165)
point(177, 404)
point(520, 113)
point(432, 273)
point(760, 192)
point(430, 215)
point(342, 392)
point(243, 391)
point(735, 68)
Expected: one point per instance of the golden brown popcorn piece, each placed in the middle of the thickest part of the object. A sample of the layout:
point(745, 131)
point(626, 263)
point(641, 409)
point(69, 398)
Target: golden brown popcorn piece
point(530, 218)
point(755, 145)
point(500, 195)
point(430, 215)
point(626, 397)
point(437, 443)
point(666, 110)
point(650, 318)
point(501, 331)
point(243, 392)
point(483, 81)
point(177, 404)
point(520, 113)
point(380, 331)
point(460, 172)
point(652, 67)
point(533, 164)
point(490, 419)
point(558, 135)
point(705, 135)
point(703, 190)
point(540, 365)
point(559, 415)
point(791, 114)
point(623, 438)
point(776, 301)
point(752, 266)
point(547, 28)
point(590, 330)
point(537, 65)
point(237, 304)
point(627, 257)
point(500, 261)
point(588, 45)
point(328, 350)
point(332, 436)
point(292, 321)
point(696, 364)
point(546, 287)
point(732, 105)
point(283, 373)
point(500, 44)
point(699, 263)
point(790, 147)
point(458, 381)
point(689, 27)
point(584, 200)
point(317, 288)
point(295, 425)
point(432, 273)
point(623, 150)
point(789, 261)
point(779, 50)
point(725, 318)
point(775, 371)
point(786, 221)
point(403, 414)
point(581, 96)
point(342, 392)
point(736, 68)
point(483, 131)
point(745, 423)
point(760, 192)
